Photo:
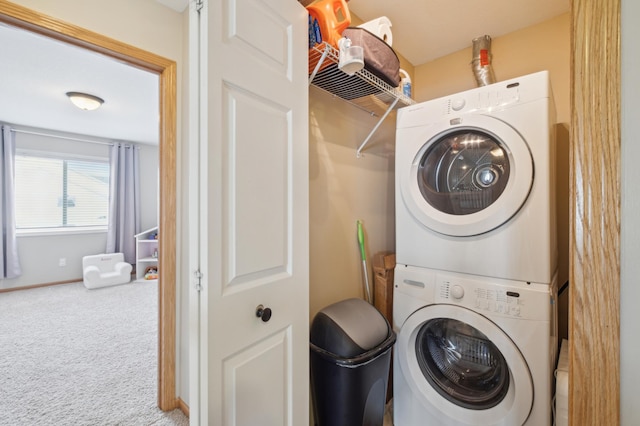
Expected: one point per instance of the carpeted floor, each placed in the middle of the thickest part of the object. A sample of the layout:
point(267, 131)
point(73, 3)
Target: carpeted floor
point(72, 356)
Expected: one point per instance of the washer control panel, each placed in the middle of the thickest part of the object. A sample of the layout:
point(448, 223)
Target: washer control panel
point(493, 299)
point(499, 301)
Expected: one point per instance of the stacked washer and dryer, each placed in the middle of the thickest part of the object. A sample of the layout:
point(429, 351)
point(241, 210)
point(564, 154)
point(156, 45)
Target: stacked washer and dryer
point(475, 288)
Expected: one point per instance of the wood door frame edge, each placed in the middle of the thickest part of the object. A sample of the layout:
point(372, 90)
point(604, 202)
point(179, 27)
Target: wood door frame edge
point(594, 321)
point(31, 20)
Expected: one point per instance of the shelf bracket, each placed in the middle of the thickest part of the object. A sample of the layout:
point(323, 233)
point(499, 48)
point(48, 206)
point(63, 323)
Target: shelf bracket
point(386, 113)
point(319, 64)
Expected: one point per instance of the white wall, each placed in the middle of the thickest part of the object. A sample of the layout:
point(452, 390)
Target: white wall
point(149, 186)
point(630, 226)
point(145, 24)
point(40, 254)
point(342, 190)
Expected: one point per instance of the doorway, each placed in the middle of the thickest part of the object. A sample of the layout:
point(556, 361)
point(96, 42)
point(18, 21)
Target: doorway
point(21, 17)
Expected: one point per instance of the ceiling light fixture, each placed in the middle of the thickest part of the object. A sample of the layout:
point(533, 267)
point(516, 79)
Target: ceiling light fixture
point(85, 101)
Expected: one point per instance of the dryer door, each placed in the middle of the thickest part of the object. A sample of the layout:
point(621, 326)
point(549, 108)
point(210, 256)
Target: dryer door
point(464, 368)
point(468, 176)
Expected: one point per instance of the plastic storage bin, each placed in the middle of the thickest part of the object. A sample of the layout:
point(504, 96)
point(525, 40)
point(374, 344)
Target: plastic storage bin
point(351, 346)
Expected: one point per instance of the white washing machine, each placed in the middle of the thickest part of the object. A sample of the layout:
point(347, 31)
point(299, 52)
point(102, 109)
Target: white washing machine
point(475, 182)
point(472, 350)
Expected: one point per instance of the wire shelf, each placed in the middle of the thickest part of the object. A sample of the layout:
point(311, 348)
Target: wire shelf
point(362, 89)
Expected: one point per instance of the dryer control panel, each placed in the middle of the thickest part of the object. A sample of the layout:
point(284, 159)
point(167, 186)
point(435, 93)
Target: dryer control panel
point(492, 98)
point(501, 95)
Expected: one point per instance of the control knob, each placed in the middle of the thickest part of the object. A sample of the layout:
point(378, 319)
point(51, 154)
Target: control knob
point(457, 104)
point(457, 292)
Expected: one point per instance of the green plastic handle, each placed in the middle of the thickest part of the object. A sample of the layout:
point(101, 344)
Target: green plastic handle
point(361, 240)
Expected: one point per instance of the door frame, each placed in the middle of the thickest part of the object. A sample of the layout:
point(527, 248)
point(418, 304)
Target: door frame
point(36, 22)
point(595, 204)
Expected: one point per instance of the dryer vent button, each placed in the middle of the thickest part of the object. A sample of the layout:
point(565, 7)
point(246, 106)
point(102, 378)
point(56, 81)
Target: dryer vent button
point(457, 292)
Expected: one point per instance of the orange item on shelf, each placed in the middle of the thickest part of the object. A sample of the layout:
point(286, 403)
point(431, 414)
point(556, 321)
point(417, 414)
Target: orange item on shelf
point(332, 16)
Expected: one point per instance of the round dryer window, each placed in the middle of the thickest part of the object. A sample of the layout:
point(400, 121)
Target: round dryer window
point(464, 172)
point(468, 176)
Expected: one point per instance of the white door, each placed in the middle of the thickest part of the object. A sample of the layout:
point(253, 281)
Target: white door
point(253, 221)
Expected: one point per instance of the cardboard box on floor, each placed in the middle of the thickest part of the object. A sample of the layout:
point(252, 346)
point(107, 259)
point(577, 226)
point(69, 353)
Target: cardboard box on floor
point(383, 264)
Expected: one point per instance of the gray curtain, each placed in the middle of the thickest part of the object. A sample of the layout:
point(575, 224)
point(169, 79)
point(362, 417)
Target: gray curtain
point(124, 200)
point(9, 261)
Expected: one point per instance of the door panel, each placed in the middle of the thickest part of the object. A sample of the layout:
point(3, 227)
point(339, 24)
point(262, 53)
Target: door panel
point(253, 213)
point(266, 401)
point(257, 188)
point(270, 43)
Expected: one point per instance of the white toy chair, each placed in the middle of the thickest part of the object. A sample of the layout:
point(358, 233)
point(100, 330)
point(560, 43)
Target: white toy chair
point(103, 270)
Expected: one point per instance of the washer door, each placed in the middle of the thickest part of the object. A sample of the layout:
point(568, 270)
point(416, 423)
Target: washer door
point(464, 368)
point(471, 176)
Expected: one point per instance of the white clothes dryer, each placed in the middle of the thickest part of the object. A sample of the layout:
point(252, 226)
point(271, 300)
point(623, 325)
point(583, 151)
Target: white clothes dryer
point(472, 350)
point(475, 182)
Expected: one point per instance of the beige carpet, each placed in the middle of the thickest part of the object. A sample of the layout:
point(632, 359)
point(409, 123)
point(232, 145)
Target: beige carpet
point(72, 356)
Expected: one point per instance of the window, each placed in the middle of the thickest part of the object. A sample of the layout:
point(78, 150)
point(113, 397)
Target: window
point(57, 192)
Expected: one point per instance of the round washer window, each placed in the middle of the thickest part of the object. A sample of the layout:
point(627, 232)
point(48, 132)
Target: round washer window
point(462, 364)
point(464, 171)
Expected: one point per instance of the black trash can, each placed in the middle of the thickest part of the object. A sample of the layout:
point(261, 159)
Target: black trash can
point(350, 357)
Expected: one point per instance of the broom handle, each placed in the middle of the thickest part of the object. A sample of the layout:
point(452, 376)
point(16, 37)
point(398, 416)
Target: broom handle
point(363, 255)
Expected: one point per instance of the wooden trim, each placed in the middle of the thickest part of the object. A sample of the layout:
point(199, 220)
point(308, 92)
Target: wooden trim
point(167, 243)
point(42, 24)
point(29, 287)
point(183, 407)
point(594, 323)
point(36, 22)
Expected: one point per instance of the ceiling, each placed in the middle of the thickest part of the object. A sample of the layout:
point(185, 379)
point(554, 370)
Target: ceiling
point(33, 82)
point(37, 72)
point(424, 30)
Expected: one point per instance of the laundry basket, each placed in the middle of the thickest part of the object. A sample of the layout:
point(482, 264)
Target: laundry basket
point(351, 346)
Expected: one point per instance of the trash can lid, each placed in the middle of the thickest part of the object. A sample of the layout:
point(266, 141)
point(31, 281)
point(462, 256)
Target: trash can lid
point(349, 328)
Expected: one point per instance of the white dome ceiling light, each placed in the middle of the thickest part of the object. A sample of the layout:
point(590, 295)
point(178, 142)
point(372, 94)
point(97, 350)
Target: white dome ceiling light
point(85, 101)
